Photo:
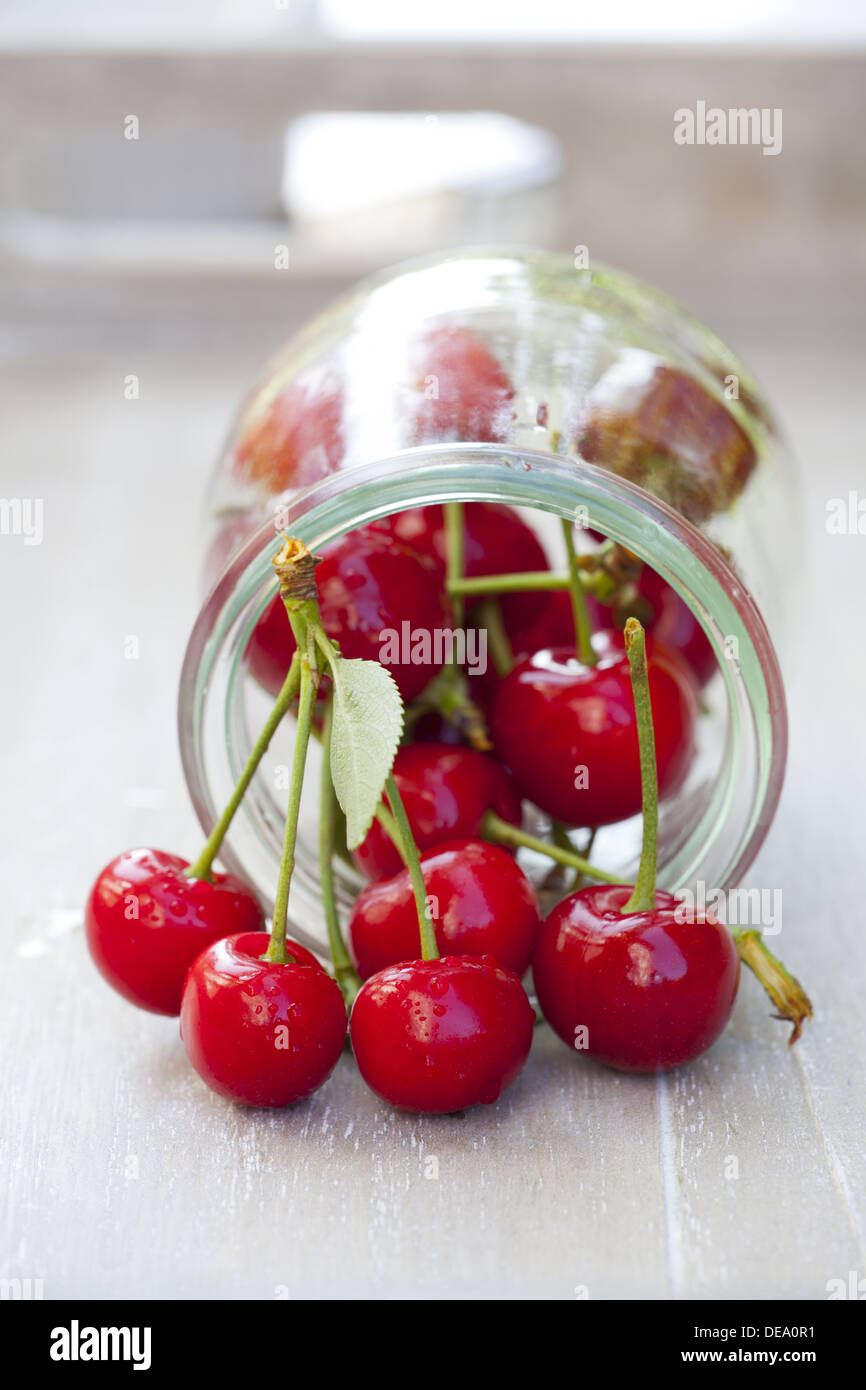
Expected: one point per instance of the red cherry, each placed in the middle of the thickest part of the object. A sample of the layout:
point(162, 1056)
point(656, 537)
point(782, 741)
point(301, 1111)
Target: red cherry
point(295, 439)
point(440, 1035)
point(369, 585)
point(446, 792)
point(459, 390)
point(569, 732)
point(146, 922)
point(671, 622)
point(659, 608)
point(496, 541)
point(651, 990)
point(257, 1031)
point(552, 626)
point(481, 904)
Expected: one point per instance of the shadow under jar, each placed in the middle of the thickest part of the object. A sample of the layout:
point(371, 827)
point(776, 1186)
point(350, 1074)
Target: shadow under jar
point(514, 378)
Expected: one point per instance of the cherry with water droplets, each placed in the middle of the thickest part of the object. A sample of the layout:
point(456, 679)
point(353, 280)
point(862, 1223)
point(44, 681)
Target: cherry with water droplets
point(569, 734)
point(257, 1031)
point(146, 921)
point(437, 1036)
point(368, 584)
point(480, 902)
point(651, 989)
point(446, 792)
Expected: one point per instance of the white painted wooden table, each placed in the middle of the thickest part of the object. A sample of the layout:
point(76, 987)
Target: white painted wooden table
point(125, 1177)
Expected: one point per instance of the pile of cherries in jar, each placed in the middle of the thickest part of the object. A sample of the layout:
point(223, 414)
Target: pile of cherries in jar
point(587, 714)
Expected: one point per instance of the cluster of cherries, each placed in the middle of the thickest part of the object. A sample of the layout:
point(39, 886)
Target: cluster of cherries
point(588, 723)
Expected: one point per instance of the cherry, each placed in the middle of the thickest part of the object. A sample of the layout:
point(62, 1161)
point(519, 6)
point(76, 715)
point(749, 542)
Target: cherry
point(552, 625)
point(295, 439)
point(660, 428)
point(670, 620)
point(480, 903)
point(459, 390)
point(495, 541)
point(439, 1035)
point(369, 584)
point(650, 598)
point(653, 989)
point(260, 1031)
point(446, 792)
point(146, 922)
point(630, 975)
point(568, 731)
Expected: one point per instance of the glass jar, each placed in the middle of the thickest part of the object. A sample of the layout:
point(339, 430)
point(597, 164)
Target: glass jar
point(516, 378)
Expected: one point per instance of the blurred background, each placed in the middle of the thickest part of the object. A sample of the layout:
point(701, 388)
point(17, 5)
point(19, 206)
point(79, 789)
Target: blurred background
point(182, 183)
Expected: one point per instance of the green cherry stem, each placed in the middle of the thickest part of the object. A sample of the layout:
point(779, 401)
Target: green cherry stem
point(295, 568)
point(309, 682)
point(454, 544)
point(429, 949)
point(501, 832)
point(389, 825)
point(202, 866)
point(580, 612)
point(594, 581)
point(346, 975)
point(490, 618)
point(493, 584)
point(643, 897)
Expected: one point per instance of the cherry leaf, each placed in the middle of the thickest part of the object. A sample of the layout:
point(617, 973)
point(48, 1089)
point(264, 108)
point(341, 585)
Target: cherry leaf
point(366, 726)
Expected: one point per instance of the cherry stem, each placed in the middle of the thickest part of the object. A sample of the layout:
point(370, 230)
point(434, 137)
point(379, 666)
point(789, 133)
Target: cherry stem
point(448, 695)
point(501, 832)
point(429, 949)
point(594, 581)
point(347, 977)
point(490, 617)
point(580, 612)
point(295, 569)
point(784, 989)
point(389, 825)
point(309, 683)
point(643, 897)
point(454, 543)
point(494, 584)
point(202, 866)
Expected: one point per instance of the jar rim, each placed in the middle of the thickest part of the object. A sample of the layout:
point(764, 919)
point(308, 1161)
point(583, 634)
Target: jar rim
point(558, 484)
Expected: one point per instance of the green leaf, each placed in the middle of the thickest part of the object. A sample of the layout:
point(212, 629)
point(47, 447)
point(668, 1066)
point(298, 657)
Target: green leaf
point(365, 733)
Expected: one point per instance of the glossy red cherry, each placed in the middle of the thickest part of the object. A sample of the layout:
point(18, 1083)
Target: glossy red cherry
point(652, 989)
point(446, 792)
point(146, 922)
point(257, 1031)
point(296, 438)
point(369, 585)
point(671, 622)
point(458, 390)
point(496, 541)
point(480, 904)
point(569, 732)
point(441, 1035)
